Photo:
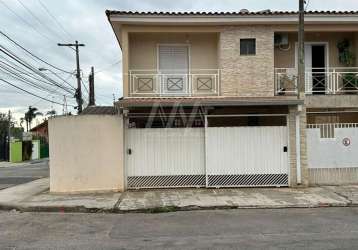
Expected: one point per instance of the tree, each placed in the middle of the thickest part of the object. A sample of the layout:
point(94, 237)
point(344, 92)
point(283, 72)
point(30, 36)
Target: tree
point(22, 120)
point(4, 130)
point(31, 114)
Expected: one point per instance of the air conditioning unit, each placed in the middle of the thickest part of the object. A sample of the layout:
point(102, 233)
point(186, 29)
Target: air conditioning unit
point(281, 39)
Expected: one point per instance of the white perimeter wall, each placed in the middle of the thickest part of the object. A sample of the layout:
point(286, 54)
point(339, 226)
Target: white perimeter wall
point(86, 153)
point(330, 152)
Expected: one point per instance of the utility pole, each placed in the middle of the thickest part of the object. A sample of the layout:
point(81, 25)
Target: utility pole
point(78, 94)
point(9, 137)
point(301, 49)
point(92, 100)
point(64, 110)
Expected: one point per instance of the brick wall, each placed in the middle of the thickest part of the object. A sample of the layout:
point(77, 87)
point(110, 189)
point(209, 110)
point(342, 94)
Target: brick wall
point(251, 75)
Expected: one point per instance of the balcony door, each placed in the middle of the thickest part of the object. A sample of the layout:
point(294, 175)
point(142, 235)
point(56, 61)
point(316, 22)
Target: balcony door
point(173, 68)
point(318, 57)
point(316, 64)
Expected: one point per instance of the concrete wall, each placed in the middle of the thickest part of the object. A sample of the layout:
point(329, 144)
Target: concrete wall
point(331, 101)
point(86, 153)
point(329, 161)
point(333, 176)
point(247, 75)
point(286, 58)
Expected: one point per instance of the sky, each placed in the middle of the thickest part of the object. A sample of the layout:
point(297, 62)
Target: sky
point(38, 25)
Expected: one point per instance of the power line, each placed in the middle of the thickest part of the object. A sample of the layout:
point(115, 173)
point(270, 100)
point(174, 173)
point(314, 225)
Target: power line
point(30, 93)
point(14, 66)
point(85, 87)
point(29, 82)
point(50, 81)
point(32, 68)
point(54, 18)
point(19, 70)
point(59, 77)
point(14, 69)
point(37, 102)
point(30, 53)
point(25, 80)
point(107, 67)
point(307, 4)
point(38, 19)
point(26, 22)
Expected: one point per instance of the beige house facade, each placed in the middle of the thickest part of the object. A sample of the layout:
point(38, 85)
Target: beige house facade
point(240, 71)
point(211, 100)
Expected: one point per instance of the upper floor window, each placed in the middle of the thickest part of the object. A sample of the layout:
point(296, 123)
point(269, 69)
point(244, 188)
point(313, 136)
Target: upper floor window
point(248, 46)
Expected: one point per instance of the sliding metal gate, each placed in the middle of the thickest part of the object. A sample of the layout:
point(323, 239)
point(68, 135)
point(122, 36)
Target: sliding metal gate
point(247, 156)
point(165, 157)
point(240, 156)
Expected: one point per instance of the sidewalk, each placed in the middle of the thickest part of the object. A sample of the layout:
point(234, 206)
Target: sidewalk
point(35, 196)
point(6, 164)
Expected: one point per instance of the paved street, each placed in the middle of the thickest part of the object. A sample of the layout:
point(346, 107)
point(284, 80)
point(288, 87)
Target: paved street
point(10, 176)
point(320, 228)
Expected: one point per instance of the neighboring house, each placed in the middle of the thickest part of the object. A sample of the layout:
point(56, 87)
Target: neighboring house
point(234, 76)
point(99, 110)
point(41, 130)
point(210, 100)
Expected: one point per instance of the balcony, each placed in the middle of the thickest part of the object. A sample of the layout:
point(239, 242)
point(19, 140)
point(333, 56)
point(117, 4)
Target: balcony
point(319, 81)
point(152, 83)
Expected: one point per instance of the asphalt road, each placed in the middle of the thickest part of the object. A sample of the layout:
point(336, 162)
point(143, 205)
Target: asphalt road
point(320, 228)
point(10, 176)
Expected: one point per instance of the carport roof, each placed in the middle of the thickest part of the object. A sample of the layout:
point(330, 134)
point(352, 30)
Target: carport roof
point(209, 101)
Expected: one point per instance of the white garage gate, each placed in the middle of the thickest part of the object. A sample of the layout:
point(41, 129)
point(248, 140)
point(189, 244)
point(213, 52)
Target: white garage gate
point(245, 153)
point(165, 157)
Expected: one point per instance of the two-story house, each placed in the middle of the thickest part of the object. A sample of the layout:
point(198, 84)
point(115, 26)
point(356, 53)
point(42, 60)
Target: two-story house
point(210, 99)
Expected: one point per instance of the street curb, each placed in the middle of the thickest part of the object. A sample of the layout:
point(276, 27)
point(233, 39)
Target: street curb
point(198, 208)
point(164, 209)
point(53, 209)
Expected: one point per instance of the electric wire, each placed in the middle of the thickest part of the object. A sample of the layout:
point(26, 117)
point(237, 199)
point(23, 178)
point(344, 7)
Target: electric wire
point(8, 64)
point(30, 93)
point(25, 80)
point(26, 22)
point(38, 19)
point(107, 67)
point(33, 55)
point(55, 19)
point(32, 68)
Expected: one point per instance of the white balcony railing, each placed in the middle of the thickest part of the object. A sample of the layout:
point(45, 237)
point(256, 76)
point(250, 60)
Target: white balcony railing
point(318, 81)
point(198, 82)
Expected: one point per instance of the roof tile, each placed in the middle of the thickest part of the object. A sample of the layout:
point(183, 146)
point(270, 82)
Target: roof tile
point(240, 13)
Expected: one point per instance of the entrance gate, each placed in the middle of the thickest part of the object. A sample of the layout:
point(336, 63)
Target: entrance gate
point(244, 152)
